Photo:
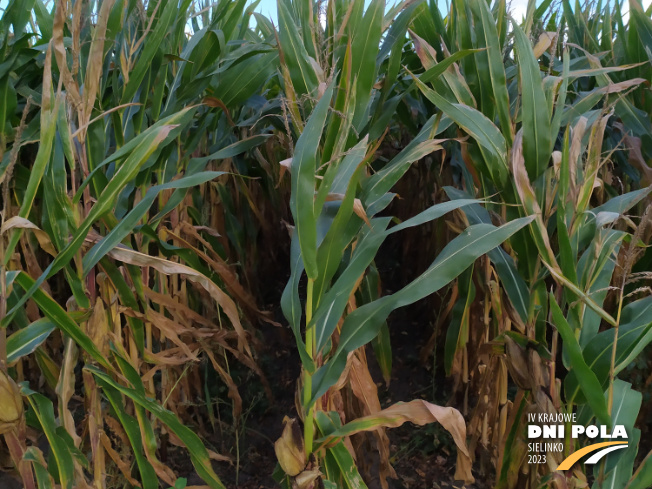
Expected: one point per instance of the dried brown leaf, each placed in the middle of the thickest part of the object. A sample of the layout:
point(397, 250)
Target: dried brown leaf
point(95, 62)
point(72, 88)
point(18, 222)
point(168, 267)
point(545, 41)
point(420, 413)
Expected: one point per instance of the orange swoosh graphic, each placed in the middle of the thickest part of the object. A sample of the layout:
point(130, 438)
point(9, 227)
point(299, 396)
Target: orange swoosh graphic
point(571, 459)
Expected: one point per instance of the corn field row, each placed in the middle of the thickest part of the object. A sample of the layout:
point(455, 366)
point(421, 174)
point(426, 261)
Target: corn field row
point(165, 163)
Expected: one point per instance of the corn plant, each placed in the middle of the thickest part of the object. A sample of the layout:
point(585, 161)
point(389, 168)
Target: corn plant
point(139, 125)
point(337, 233)
point(150, 152)
point(521, 120)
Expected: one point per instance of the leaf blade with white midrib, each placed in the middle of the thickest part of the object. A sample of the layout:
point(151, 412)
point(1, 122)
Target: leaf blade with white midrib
point(587, 380)
point(26, 340)
point(537, 140)
point(302, 200)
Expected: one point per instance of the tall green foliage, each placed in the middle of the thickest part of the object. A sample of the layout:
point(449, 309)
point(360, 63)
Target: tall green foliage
point(144, 159)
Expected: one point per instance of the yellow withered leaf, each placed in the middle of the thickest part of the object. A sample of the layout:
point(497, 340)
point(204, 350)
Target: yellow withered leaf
point(358, 208)
point(11, 402)
point(306, 479)
point(168, 267)
point(18, 222)
point(517, 363)
point(98, 328)
point(544, 42)
point(289, 448)
point(420, 413)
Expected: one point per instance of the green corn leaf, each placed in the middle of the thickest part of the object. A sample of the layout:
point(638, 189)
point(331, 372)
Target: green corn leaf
point(510, 452)
point(376, 187)
point(291, 302)
point(619, 466)
point(555, 125)
point(169, 10)
point(370, 291)
point(363, 324)
point(433, 212)
point(433, 73)
point(492, 142)
point(396, 33)
point(43, 477)
point(131, 220)
point(577, 26)
point(584, 230)
point(596, 267)
point(457, 334)
point(333, 303)
point(233, 17)
point(634, 334)
point(44, 411)
point(44, 19)
point(537, 140)
point(364, 50)
point(588, 381)
point(344, 226)
point(621, 472)
point(494, 75)
point(302, 73)
point(425, 26)
point(58, 217)
point(55, 313)
point(26, 340)
point(338, 179)
point(245, 79)
point(198, 454)
point(642, 24)
point(340, 466)
point(332, 306)
point(123, 175)
point(169, 125)
point(48, 127)
point(130, 425)
point(626, 405)
point(642, 478)
point(304, 165)
point(514, 284)
point(196, 165)
point(338, 132)
point(632, 320)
